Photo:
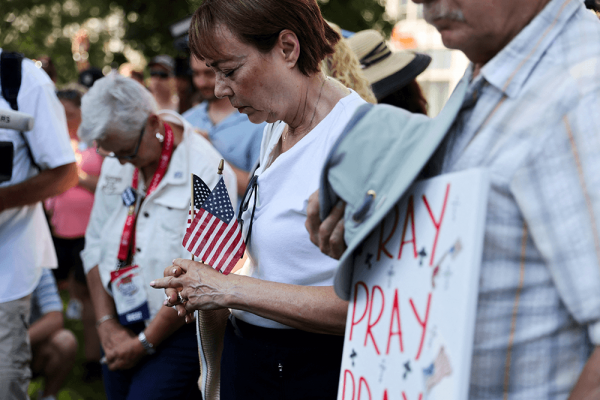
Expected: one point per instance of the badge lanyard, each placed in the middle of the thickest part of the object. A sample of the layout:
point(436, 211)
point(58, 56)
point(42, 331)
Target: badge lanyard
point(131, 300)
point(128, 236)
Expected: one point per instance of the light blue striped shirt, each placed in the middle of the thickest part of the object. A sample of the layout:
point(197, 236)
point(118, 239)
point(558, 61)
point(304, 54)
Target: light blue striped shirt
point(236, 138)
point(532, 117)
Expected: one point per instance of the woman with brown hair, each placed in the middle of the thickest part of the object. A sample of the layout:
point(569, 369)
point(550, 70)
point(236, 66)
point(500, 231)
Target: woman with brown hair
point(284, 338)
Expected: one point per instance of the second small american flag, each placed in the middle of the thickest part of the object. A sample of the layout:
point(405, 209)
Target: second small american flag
point(214, 236)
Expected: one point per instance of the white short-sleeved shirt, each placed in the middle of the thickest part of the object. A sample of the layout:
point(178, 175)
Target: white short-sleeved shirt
point(280, 249)
point(25, 241)
point(162, 217)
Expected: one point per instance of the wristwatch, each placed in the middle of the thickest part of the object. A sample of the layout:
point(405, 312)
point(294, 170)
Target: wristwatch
point(149, 347)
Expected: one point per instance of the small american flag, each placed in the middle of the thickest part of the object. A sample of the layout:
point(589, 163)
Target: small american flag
point(201, 193)
point(214, 235)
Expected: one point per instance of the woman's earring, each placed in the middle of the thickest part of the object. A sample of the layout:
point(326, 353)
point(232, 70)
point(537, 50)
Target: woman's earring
point(160, 137)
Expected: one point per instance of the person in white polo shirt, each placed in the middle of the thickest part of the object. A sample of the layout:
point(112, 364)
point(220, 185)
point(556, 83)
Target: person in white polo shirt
point(25, 241)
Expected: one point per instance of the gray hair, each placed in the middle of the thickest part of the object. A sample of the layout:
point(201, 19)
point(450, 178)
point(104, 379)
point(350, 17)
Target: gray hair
point(117, 103)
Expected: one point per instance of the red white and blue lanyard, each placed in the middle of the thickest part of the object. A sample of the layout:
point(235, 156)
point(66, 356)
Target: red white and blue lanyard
point(128, 236)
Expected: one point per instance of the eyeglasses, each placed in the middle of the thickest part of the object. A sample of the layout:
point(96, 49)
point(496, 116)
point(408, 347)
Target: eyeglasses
point(250, 190)
point(160, 74)
point(126, 158)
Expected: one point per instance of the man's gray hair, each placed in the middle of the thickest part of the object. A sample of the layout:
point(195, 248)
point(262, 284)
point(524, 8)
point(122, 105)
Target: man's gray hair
point(116, 103)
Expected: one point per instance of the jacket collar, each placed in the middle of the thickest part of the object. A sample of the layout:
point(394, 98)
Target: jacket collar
point(177, 175)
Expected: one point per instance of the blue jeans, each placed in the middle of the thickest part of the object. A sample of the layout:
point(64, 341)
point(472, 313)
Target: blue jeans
point(170, 373)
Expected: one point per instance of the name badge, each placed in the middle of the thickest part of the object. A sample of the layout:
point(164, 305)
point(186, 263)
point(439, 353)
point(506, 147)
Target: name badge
point(129, 196)
point(129, 294)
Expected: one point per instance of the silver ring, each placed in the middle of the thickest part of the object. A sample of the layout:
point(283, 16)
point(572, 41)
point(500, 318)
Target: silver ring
point(179, 297)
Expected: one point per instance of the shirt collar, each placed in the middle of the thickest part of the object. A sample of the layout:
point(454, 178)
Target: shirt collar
point(177, 173)
point(234, 118)
point(203, 107)
point(510, 68)
point(176, 178)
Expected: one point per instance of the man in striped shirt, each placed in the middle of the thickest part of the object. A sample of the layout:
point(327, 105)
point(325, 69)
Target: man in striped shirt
point(531, 116)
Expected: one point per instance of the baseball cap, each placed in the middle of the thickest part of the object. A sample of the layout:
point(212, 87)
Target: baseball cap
point(164, 61)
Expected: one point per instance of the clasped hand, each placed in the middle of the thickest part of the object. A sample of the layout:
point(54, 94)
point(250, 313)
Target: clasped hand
point(122, 348)
point(200, 287)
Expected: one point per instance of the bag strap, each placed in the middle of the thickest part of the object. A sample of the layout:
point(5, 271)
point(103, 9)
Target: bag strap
point(10, 79)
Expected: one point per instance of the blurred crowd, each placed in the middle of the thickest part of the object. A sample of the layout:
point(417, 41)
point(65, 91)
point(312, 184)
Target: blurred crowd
point(186, 86)
point(98, 201)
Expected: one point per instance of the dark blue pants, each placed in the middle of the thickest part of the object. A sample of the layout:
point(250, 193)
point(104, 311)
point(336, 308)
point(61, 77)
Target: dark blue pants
point(170, 373)
point(262, 363)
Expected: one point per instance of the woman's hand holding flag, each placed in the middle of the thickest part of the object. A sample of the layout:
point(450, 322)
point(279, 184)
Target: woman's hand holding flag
point(200, 287)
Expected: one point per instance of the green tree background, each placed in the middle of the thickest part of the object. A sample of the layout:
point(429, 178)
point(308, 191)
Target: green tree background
point(41, 27)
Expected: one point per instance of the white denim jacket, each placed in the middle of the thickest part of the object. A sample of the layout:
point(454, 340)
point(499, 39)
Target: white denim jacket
point(161, 219)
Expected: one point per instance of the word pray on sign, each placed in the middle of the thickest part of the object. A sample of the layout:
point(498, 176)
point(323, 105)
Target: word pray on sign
point(411, 318)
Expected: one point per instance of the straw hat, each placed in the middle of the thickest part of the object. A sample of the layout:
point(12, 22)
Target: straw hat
point(386, 70)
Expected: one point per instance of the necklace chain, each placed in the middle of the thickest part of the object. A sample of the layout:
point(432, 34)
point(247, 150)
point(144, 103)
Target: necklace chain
point(314, 112)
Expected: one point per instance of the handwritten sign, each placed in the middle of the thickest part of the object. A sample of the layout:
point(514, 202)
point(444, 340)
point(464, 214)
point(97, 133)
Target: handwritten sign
point(411, 318)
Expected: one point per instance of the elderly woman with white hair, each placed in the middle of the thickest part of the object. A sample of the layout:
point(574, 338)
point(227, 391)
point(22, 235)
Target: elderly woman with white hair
point(136, 228)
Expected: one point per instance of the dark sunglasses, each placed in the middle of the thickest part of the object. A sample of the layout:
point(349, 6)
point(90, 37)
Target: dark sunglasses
point(68, 94)
point(160, 74)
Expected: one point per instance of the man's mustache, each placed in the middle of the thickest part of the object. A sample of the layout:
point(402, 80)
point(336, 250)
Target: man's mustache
point(439, 10)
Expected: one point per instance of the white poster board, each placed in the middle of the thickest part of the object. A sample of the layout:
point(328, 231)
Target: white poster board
point(411, 318)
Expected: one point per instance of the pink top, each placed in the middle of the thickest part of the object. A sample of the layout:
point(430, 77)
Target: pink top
point(71, 210)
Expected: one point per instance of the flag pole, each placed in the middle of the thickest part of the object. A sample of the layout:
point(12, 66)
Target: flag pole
point(210, 330)
point(192, 205)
